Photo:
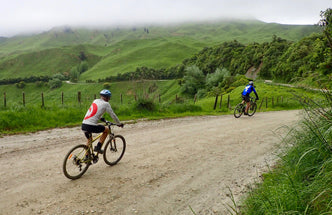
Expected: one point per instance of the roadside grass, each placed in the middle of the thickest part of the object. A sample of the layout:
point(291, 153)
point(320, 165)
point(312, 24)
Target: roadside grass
point(301, 182)
point(126, 96)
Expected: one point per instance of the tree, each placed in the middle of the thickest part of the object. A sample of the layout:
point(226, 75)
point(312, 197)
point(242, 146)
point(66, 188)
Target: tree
point(194, 80)
point(74, 74)
point(326, 23)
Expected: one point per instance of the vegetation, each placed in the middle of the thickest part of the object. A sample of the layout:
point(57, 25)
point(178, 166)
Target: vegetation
point(174, 71)
point(301, 183)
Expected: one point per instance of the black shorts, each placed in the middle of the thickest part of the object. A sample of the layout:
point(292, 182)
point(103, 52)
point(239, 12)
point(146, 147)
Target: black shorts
point(93, 128)
point(246, 98)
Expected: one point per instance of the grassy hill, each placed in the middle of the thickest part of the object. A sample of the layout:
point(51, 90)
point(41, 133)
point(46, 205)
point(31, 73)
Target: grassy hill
point(120, 50)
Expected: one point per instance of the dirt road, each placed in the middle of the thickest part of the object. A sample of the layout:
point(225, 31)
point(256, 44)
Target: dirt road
point(169, 167)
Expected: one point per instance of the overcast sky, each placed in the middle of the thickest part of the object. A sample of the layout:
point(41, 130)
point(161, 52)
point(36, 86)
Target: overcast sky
point(21, 16)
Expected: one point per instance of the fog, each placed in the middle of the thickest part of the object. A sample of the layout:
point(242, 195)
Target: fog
point(26, 16)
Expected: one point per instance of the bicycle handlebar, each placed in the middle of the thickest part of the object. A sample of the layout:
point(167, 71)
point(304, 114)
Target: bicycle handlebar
point(111, 123)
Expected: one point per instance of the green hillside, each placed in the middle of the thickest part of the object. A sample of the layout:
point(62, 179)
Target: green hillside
point(120, 50)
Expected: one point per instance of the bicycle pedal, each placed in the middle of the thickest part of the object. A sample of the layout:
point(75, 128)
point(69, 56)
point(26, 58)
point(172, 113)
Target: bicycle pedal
point(95, 159)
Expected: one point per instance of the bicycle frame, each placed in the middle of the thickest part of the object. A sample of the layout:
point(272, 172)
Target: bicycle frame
point(92, 140)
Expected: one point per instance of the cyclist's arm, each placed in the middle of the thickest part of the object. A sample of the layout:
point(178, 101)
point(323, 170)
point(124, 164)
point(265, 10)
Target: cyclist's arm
point(255, 93)
point(110, 111)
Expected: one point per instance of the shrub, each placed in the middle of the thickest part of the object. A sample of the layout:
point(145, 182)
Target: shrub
point(20, 85)
point(55, 83)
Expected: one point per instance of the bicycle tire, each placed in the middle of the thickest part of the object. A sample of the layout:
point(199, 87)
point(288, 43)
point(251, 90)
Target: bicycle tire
point(252, 109)
point(238, 111)
point(114, 150)
point(74, 165)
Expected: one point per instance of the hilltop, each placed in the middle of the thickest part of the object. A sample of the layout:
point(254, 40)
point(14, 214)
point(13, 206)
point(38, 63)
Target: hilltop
point(119, 50)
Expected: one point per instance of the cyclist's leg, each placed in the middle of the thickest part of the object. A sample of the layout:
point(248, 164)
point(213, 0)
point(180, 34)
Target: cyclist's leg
point(247, 108)
point(247, 100)
point(104, 135)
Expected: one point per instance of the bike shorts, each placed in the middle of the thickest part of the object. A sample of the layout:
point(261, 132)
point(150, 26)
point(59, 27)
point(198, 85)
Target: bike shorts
point(246, 98)
point(93, 128)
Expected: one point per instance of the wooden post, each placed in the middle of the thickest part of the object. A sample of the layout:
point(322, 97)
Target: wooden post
point(121, 98)
point(95, 96)
point(23, 96)
point(266, 102)
point(195, 98)
point(4, 99)
point(260, 106)
point(272, 101)
point(159, 98)
point(62, 98)
point(79, 96)
point(42, 97)
point(215, 102)
point(228, 102)
point(220, 103)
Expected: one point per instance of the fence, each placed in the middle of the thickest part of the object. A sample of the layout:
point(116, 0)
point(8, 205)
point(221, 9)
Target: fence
point(221, 103)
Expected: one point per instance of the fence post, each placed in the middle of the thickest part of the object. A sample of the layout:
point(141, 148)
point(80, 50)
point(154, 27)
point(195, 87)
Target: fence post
point(159, 98)
point(215, 102)
point(121, 98)
point(266, 102)
point(260, 106)
point(228, 101)
point(195, 98)
point(62, 98)
point(220, 103)
point(272, 102)
point(79, 96)
point(4, 99)
point(42, 97)
point(23, 96)
point(95, 96)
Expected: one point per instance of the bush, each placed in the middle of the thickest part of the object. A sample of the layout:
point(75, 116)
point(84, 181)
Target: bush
point(20, 85)
point(194, 80)
point(145, 105)
point(55, 83)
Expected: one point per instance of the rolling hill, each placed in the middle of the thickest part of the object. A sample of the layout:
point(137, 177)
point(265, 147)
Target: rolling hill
point(123, 49)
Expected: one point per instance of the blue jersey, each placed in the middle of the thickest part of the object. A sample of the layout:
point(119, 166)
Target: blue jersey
point(248, 89)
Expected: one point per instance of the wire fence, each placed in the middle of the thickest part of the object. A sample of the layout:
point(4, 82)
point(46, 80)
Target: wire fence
point(221, 102)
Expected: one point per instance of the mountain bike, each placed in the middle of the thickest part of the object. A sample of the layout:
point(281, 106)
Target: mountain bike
point(80, 157)
point(240, 108)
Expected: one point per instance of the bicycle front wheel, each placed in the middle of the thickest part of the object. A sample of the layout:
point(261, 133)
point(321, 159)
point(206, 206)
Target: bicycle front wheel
point(114, 150)
point(252, 109)
point(238, 111)
point(76, 162)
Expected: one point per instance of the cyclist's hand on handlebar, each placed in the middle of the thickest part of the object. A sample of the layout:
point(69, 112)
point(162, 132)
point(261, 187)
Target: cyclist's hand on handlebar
point(257, 98)
point(120, 125)
point(103, 119)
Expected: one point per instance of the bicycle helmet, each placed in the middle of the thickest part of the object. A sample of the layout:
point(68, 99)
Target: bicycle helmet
point(106, 93)
point(251, 83)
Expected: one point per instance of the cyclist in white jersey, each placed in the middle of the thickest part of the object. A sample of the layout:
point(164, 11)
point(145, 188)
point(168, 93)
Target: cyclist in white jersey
point(95, 112)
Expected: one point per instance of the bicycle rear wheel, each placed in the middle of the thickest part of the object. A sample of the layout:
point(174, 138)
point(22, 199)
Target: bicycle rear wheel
point(252, 109)
point(76, 162)
point(114, 150)
point(238, 111)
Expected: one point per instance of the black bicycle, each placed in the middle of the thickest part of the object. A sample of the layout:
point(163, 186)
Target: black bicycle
point(80, 157)
point(241, 107)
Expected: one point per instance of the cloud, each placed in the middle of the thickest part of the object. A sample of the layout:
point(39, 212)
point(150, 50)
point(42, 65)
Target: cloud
point(36, 15)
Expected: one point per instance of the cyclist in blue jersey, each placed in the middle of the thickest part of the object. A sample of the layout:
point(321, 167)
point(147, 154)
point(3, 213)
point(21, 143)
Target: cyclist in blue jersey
point(246, 95)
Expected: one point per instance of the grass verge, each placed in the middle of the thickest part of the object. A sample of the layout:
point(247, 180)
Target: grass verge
point(302, 181)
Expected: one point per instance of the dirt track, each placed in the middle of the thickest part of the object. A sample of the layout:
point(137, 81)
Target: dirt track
point(169, 166)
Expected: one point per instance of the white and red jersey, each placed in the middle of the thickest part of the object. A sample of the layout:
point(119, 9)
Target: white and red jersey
point(97, 110)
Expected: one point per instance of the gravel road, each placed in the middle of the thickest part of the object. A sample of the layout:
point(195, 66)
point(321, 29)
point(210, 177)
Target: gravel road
point(170, 167)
